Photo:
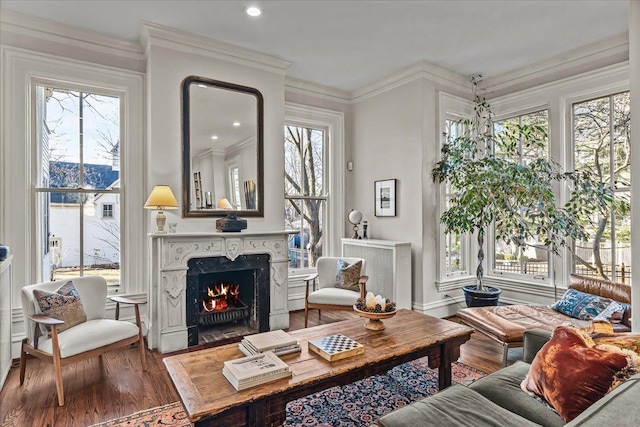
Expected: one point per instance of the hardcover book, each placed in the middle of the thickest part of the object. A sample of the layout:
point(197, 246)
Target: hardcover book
point(256, 369)
point(335, 347)
point(269, 340)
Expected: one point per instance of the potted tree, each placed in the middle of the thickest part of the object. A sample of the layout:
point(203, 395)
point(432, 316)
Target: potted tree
point(492, 184)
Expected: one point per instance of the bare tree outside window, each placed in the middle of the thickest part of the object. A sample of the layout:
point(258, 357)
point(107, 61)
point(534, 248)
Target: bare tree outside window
point(304, 193)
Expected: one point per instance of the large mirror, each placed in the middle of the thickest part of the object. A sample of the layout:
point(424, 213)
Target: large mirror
point(222, 149)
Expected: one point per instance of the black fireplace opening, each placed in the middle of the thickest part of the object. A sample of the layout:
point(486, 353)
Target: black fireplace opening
point(227, 299)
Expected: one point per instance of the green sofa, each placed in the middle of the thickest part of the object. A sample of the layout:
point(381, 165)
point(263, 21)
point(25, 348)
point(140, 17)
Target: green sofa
point(498, 400)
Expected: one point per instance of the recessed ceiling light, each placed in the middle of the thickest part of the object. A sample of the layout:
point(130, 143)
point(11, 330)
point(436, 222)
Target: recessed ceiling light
point(253, 11)
point(214, 137)
point(236, 124)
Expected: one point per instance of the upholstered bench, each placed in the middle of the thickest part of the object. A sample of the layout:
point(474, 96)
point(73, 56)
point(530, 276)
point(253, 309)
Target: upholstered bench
point(507, 324)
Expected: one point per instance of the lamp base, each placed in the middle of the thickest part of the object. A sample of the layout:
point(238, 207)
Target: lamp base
point(231, 223)
point(161, 220)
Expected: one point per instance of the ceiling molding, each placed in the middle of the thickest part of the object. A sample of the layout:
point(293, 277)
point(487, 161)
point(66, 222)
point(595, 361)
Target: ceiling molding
point(596, 55)
point(421, 70)
point(157, 35)
point(315, 90)
point(50, 31)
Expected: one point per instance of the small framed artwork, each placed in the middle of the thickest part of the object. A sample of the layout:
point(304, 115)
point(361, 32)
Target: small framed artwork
point(385, 197)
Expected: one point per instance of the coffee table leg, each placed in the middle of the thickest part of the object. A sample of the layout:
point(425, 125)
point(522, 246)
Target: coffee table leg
point(444, 370)
point(257, 414)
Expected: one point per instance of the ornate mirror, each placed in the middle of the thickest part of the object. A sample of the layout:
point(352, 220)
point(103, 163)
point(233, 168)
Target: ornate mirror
point(222, 149)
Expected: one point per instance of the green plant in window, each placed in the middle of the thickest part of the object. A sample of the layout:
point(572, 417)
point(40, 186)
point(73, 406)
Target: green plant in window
point(498, 185)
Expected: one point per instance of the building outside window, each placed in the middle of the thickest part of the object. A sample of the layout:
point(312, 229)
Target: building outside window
point(602, 145)
point(531, 258)
point(78, 188)
point(305, 192)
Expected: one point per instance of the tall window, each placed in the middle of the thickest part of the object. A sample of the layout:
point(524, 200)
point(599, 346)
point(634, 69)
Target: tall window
point(602, 144)
point(78, 188)
point(455, 245)
point(305, 192)
point(531, 258)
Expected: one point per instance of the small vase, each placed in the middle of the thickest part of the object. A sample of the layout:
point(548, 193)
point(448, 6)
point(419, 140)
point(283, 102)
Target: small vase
point(4, 252)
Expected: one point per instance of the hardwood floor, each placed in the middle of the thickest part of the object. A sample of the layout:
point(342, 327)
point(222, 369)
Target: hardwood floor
point(114, 385)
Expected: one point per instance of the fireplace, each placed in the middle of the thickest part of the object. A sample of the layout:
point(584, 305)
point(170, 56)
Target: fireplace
point(179, 257)
point(226, 299)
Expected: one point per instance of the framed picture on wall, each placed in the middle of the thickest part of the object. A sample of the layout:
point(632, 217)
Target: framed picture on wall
point(385, 197)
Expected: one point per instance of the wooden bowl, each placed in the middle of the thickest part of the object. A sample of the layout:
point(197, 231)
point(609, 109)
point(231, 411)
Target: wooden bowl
point(374, 321)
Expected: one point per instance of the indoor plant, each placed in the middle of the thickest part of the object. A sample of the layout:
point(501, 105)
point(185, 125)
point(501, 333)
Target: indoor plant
point(491, 184)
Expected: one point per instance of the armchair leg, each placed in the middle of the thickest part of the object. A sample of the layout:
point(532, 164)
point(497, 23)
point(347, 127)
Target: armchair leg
point(57, 367)
point(23, 361)
point(306, 314)
point(143, 358)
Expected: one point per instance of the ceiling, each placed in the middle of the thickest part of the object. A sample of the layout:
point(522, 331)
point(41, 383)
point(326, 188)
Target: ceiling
point(347, 44)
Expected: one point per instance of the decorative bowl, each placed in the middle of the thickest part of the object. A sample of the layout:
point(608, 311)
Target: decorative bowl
point(375, 319)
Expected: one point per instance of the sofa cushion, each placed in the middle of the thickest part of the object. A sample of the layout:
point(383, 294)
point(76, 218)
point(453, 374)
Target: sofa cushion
point(347, 276)
point(503, 389)
point(571, 373)
point(63, 304)
point(334, 296)
point(455, 406)
point(617, 408)
point(580, 305)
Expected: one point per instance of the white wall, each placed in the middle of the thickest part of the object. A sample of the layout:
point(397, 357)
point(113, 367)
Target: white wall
point(634, 73)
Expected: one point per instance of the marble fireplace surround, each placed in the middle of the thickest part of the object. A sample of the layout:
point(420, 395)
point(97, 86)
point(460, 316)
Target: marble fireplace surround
point(170, 253)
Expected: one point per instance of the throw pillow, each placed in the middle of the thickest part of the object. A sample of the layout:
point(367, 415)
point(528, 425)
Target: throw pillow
point(63, 304)
point(613, 313)
point(571, 372)
point(347, 276)
point(580, 305)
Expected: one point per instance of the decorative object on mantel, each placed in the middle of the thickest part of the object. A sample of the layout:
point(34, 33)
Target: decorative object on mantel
point(385, 197)
point(355, 217)
point(375, 308)
point(4, 252)
point(364, 230)
point(231, 222)
point(161, 198)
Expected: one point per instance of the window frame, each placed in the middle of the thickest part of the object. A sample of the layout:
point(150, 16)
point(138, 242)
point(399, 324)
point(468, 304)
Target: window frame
point(332, 122)
point(110, 210)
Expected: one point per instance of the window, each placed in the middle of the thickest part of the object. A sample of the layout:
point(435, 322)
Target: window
point(530, 258)
point(107, 211)
point(78, 181)
point(305, 192)
point(602, 145)
point(455, 245)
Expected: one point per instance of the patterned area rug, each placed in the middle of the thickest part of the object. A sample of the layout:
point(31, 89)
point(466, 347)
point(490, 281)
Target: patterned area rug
point(355, 405)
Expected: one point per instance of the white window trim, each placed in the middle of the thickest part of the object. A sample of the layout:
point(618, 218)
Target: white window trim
point(333, 122)
point(23, 70)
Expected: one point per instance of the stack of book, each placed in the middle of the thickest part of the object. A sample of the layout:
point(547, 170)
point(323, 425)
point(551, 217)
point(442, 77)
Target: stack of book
point(277, 341)
point(254, 370)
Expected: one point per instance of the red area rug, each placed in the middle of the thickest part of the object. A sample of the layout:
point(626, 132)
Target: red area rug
point(353, 405)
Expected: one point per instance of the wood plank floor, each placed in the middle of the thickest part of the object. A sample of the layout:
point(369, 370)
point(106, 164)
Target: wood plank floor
point(114, 385)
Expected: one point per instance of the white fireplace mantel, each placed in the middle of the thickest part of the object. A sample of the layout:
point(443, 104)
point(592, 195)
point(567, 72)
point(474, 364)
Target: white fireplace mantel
point(170, 254)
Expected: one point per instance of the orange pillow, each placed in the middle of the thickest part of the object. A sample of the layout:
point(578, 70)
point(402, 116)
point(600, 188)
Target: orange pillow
point(571, 372)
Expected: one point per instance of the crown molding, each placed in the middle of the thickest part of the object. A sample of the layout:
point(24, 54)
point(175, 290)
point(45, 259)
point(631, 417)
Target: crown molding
point(303, 87)
point(421, 70)
point(596, 55)
point(157, 35)
point(42, 29)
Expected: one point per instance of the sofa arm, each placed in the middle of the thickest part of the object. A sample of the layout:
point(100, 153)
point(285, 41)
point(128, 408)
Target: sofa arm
point(534, 339)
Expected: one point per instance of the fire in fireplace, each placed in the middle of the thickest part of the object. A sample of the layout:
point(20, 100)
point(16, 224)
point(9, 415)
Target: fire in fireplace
point(221, 304)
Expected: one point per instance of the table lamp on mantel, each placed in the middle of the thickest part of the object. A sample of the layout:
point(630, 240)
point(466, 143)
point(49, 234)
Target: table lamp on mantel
point(161, 199)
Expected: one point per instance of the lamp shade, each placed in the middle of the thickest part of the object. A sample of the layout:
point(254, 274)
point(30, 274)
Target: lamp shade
point(224, 204)
point(161, 198)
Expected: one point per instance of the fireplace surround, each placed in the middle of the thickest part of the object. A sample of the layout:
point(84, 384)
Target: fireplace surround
point(170, 255)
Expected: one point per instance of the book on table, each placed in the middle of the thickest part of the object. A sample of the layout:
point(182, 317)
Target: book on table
point(336, 347)
point(277, 341)
point(256, 369)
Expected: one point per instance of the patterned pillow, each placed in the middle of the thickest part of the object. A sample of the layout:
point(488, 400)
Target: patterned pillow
point(580, 305)
point(613, 313)
point(64, 304)
point(571, 372)
point(347, 276)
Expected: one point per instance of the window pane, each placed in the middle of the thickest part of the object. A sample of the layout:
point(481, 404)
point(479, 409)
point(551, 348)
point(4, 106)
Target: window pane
point(101, 245)
point(622, 139)
point(591, 137)
point(100, 140)
point(62, 121)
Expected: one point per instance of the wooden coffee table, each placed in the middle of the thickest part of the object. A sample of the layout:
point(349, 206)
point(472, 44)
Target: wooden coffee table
point(210, 400)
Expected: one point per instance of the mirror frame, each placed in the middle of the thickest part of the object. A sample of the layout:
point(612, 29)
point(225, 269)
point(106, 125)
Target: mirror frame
point(187, 212)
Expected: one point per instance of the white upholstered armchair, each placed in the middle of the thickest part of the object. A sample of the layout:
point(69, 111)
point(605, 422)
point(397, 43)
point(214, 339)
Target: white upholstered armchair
point(83, 334)
point(336, 285)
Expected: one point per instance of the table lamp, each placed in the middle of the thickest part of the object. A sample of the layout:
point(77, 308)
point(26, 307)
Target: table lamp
point(161, 198)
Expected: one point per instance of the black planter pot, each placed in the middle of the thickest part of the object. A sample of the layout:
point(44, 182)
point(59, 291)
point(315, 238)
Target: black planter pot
point(476, 298)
